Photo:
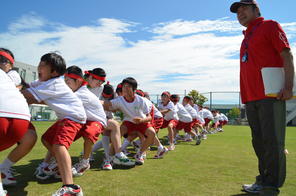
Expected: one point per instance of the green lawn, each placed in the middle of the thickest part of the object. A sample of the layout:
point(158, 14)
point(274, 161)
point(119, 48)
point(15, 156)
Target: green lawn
point(219, 166)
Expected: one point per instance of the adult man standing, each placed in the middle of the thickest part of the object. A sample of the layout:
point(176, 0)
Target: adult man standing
point(264, 45)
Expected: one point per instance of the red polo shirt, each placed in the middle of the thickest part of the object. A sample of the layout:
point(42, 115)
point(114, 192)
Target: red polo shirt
point(265, 40)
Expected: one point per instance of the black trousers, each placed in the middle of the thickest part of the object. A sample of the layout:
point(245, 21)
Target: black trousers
point(267, 119)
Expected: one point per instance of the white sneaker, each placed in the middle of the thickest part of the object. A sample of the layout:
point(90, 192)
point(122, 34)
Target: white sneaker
point(139, 159)
point(4, 193)
point(64, 191)
point(204, 137)
point(39, 174)
point(107, 165)
point(51, 169)
point(161, 153)
point(123, 160)
point(7, 177)
point(252, 188)
point(171, 147)
point(79, 168)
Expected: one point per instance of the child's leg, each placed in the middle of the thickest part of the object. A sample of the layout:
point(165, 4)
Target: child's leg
point(64, 163)
point(87, 148)
point(150, 133)
point(24, 147)
point(115, 135)
point(171, 133)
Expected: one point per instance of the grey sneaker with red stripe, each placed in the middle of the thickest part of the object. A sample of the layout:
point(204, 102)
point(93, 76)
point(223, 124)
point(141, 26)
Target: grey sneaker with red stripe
point(69, 191)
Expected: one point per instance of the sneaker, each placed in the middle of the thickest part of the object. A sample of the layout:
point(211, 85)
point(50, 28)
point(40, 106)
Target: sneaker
point(51, 169)
point(4, 193)
point(7, 177)
point(39, 174)
point(204, 137)
point(252, 188)
point(161, 153)
point(171, 147)
point(123, 160)
point(107, 165)
point(126, 152)
point(139, 159)
point(67, 191)
point(198, 140)
point(80, 168)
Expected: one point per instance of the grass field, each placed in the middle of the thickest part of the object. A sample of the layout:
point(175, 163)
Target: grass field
point(219, 166)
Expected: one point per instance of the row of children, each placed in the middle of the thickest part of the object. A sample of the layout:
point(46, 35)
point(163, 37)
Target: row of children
point(84, 109)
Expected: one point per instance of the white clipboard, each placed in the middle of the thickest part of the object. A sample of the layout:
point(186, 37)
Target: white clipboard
point(273, 80)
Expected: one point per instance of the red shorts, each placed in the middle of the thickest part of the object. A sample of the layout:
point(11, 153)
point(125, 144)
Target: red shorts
point(132, 127)
point(157, 123)
point(12, 130)
point(223, 122)
point(183, 125)
point(207, 120)
point(91, 130)
point(167, 122)
point(195, 122)
point(62, 132)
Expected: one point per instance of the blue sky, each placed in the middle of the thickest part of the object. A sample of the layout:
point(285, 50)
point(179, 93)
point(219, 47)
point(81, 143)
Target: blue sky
point(165, 44)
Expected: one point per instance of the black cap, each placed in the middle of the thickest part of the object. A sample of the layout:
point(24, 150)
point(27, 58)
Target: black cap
point(236, 5)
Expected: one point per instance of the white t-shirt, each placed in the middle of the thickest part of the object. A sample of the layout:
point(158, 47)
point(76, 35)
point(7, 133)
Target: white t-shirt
point(137, 108)
point(92, 105)
point(183, 115)
point(156, 112)
point(191, 111)
point(60, 98)
point(12, 102)
point(196, 107)
point(97, 91)
point(216, 118)
point(223, 117)
point(172, 114)
point(15, 77)
point(205, 113)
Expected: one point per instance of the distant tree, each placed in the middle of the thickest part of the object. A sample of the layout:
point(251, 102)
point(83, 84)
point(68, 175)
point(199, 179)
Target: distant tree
point(234, 113)
point(197, 97)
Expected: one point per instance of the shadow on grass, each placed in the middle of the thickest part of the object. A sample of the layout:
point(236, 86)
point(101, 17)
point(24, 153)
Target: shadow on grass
point(24, 174)
point(244, 194)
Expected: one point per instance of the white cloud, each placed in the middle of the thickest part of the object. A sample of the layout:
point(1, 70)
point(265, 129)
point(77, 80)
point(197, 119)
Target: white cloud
point(181, 27)
point(205, 51)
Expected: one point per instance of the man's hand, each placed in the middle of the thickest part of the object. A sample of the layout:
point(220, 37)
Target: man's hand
point(285, 94)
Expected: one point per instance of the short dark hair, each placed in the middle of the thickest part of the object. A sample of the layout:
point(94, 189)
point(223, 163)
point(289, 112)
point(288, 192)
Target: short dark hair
point(4, 59)
point(99, 72)
point(131, 81)
point(119, 88)
point(108, 91)
point(74, 70)
point(56, 62)
point(175, 98)
point(188, 97)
